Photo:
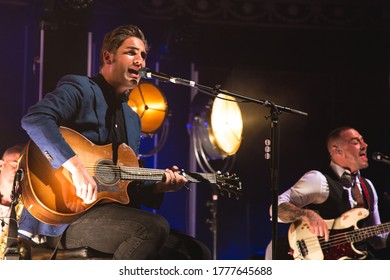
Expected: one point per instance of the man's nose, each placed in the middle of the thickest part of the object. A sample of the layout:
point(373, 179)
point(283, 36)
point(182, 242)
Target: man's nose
point(138, 60)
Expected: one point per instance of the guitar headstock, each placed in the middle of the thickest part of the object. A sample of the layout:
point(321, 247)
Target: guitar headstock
point(229, 183)
point(225, 183)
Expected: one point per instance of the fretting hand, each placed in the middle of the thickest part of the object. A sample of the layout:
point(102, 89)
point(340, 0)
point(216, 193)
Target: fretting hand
point(173, 181)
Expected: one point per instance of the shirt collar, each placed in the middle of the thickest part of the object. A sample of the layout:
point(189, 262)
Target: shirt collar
point(340, 170)
point(109, 90)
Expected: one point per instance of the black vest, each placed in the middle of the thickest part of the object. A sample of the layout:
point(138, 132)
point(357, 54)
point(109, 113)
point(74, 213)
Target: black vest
point(337, 202)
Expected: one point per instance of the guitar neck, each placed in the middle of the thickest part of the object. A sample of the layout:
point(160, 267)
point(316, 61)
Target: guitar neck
point(367, 232)
point(147, 174)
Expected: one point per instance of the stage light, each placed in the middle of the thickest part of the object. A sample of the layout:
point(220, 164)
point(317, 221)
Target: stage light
point(216, 128)
point(226, 125)
point(151, 106)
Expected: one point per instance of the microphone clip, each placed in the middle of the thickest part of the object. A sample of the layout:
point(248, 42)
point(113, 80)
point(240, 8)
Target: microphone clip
point(381, 157)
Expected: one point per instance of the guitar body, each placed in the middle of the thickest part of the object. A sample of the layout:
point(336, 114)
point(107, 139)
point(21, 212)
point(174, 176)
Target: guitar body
point(50, 196)
point(307, 246)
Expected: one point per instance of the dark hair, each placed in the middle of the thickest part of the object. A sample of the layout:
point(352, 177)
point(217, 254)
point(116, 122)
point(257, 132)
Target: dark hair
point(115, 38)
point(335, 134)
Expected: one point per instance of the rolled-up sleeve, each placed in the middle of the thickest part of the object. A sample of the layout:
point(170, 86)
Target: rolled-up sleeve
point(312, 187)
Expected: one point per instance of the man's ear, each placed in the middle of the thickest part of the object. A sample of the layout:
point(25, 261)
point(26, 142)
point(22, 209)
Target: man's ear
point(336, 150)
point(107, 57)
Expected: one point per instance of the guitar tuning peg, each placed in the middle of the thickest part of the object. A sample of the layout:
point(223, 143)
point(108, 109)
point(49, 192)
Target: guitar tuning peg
point(227, 174)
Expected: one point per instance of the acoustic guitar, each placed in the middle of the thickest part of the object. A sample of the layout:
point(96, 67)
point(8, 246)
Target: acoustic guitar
point(50, 196)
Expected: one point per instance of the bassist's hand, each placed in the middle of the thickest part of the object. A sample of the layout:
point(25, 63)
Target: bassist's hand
point(85, 185)
point(289, 213)
point(316, 224)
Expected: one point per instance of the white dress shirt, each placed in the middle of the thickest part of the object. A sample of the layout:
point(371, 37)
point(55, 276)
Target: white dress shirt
point(313, 188)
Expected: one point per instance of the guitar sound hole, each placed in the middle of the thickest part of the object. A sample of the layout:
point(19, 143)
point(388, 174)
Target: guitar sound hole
point(107, 172)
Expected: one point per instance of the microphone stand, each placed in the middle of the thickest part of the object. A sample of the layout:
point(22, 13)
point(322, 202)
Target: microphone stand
point(276, 110)
point(213, 221)
point(11, 251)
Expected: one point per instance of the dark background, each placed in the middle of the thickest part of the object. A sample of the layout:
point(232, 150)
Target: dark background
point(329, 59)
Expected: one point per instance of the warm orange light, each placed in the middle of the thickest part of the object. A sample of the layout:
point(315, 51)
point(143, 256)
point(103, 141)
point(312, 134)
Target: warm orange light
point(216, 126)
point(226, 124)
point(150, 104)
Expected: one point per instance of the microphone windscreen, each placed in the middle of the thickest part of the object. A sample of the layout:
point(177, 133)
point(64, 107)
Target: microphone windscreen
point(143, 72)
point(376, 156)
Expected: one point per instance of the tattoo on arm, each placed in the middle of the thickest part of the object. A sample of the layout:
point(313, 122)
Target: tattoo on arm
point(290, 213)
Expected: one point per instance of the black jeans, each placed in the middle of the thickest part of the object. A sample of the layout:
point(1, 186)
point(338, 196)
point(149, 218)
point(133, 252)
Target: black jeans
point(127, 233)
point(131, 234)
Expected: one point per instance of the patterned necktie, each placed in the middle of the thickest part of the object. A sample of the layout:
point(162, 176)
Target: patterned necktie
point(350, 180)
point(357, 195)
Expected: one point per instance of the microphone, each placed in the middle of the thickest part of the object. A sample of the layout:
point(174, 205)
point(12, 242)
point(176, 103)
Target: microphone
point(146, 73)
point(381, 157)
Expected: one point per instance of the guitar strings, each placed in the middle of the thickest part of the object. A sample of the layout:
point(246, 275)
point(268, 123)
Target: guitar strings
point(109, 173)
point(134, 172)
point(124, 172)
point(348, 237)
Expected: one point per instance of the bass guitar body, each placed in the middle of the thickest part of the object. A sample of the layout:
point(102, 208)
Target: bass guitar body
point(343, 233)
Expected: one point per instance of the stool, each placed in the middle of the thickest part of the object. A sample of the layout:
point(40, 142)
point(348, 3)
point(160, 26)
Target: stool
point(82, 253)
point(31, 251)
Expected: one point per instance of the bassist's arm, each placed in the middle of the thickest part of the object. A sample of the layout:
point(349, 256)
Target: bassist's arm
point(311, 188)
point(289, 213)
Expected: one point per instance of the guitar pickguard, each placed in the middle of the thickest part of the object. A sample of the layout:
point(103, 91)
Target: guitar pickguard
point(343, 232)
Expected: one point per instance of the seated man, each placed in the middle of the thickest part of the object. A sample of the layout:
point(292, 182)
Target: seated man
point(8, 168)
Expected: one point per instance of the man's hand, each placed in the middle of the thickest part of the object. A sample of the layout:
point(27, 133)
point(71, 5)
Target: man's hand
point(316, 224)
point(173, 181)
point(85, 185)
point(289, 213)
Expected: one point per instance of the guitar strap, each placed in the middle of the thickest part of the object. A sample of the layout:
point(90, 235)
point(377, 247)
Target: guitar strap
point(365, 191)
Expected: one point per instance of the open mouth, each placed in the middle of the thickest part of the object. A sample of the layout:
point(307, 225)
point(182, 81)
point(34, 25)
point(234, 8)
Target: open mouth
point(363, 155)
point(132, 71)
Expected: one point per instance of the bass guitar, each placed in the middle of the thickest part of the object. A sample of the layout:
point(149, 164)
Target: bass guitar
point(50, 196)
point(343, 233)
